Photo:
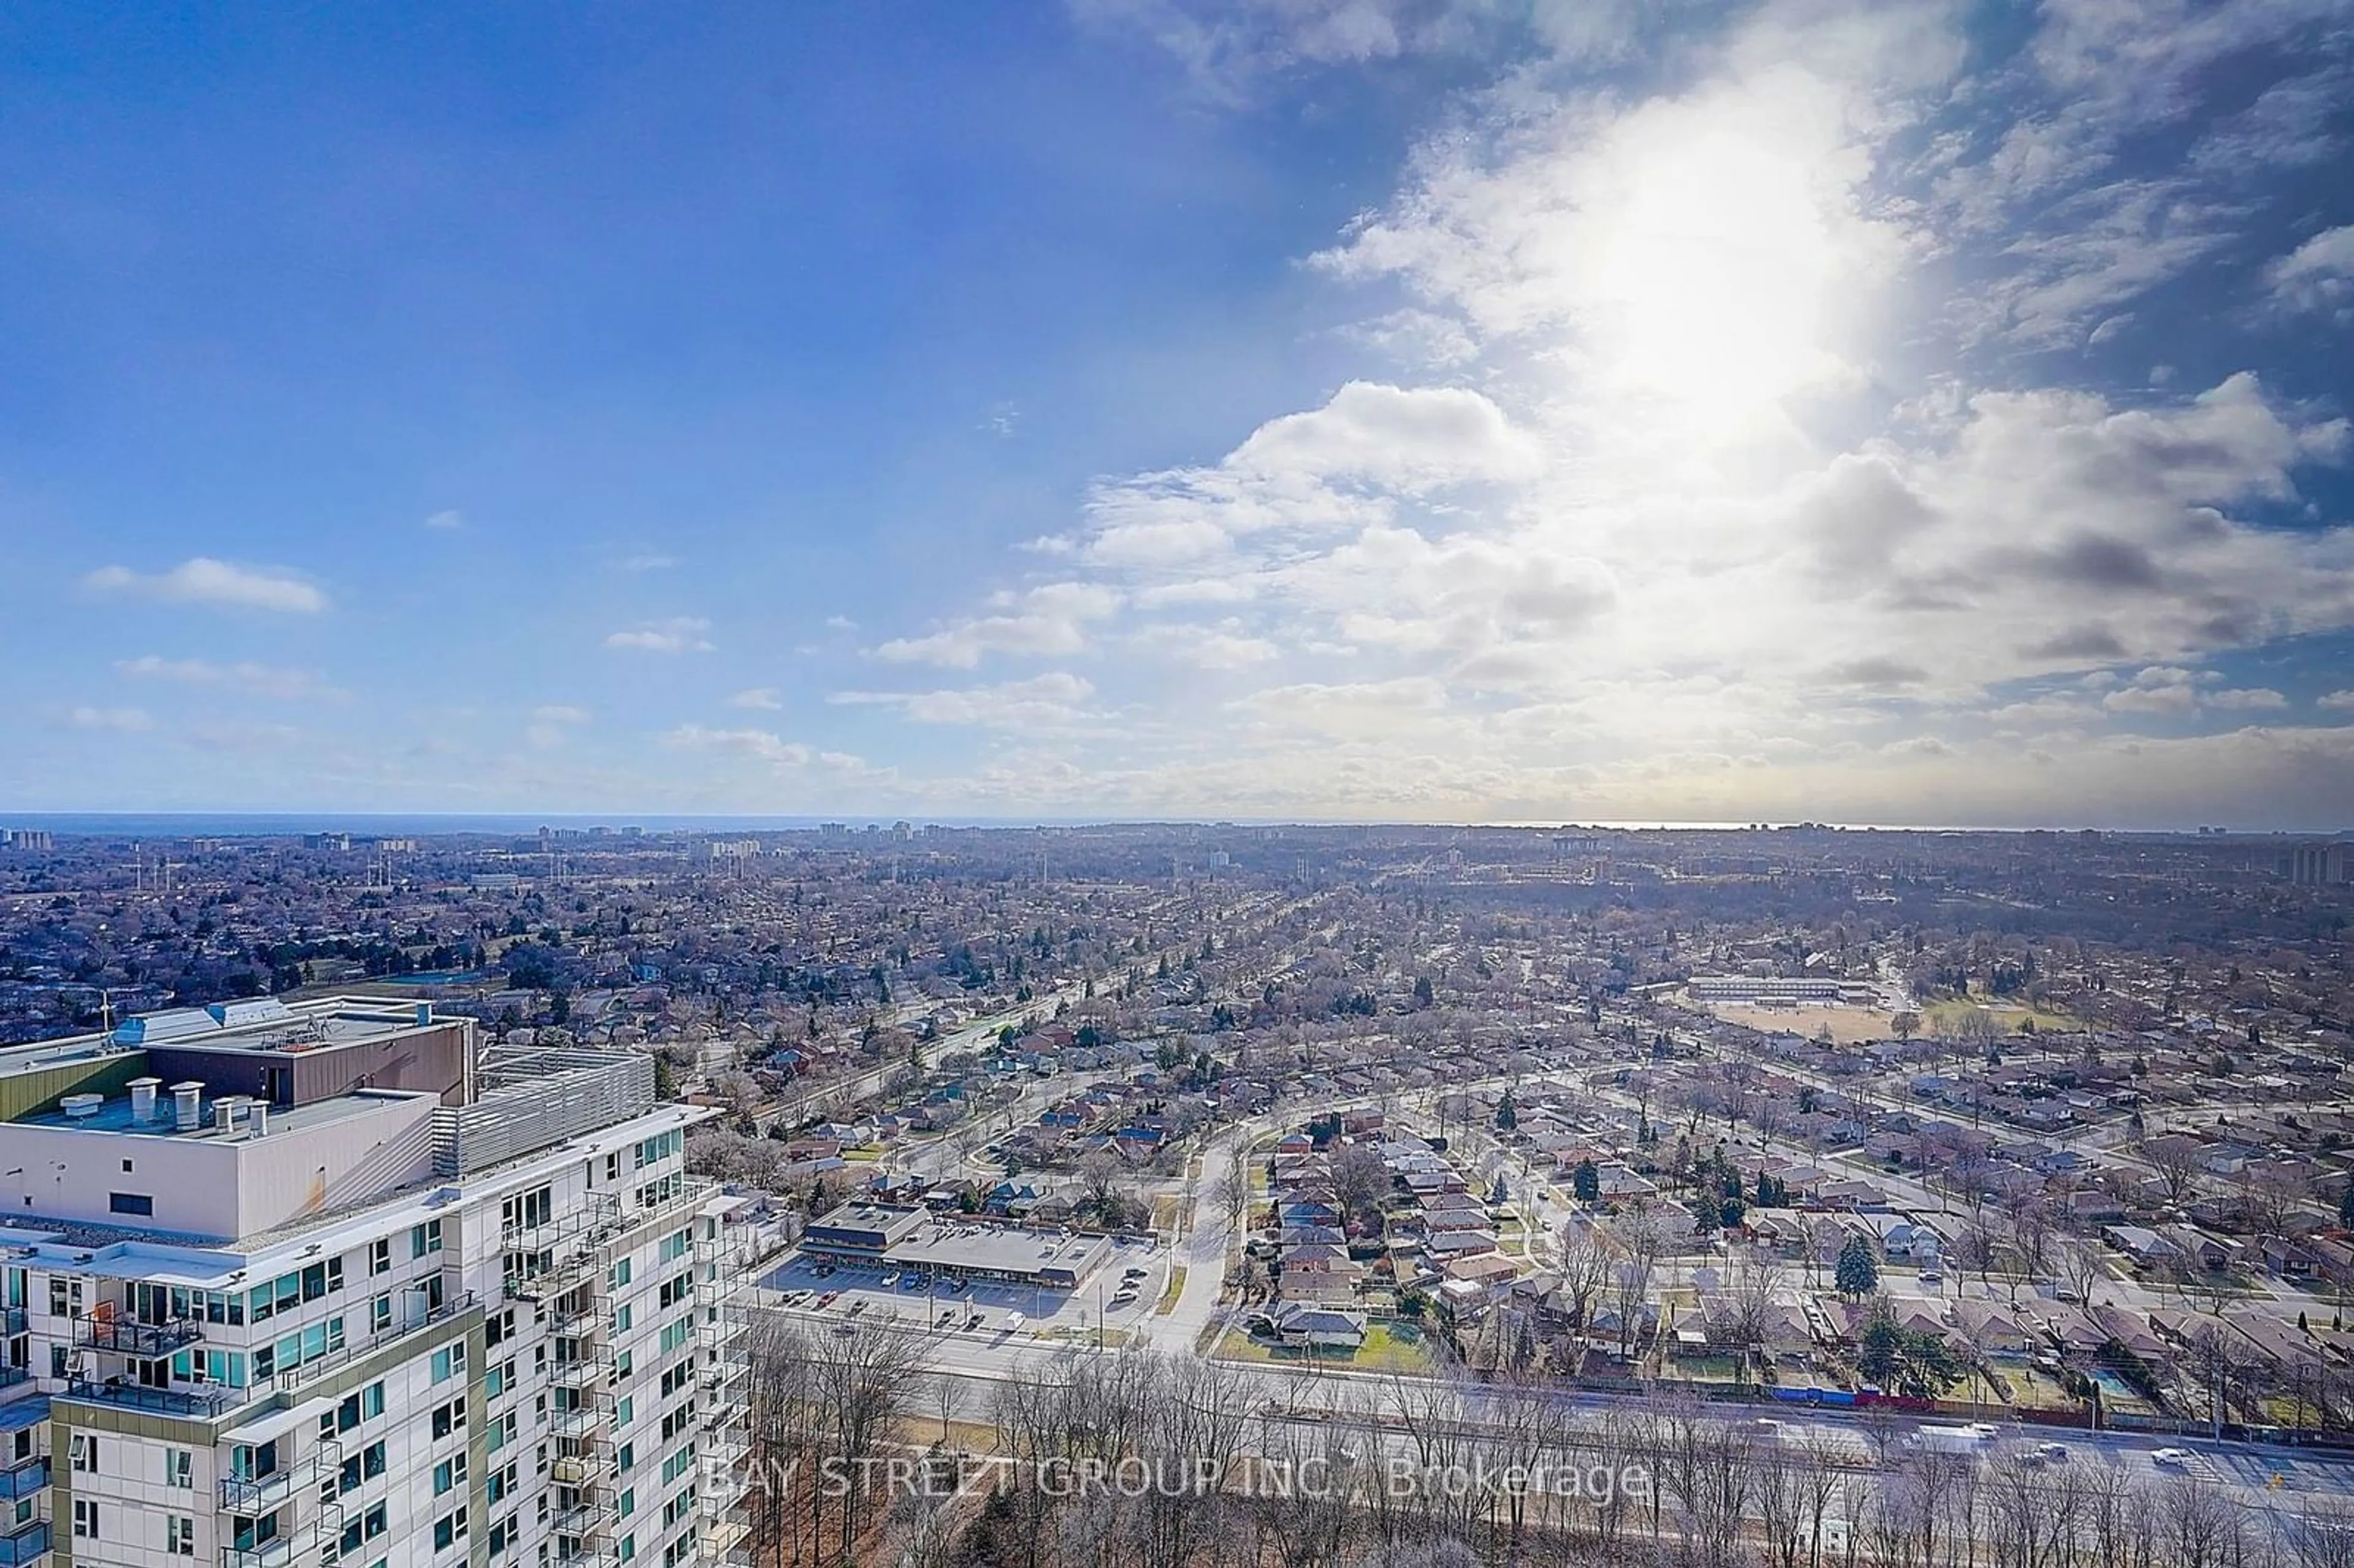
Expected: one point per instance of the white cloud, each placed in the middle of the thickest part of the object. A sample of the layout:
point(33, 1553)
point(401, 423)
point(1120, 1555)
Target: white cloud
point(755, 698)
point(1405, 438)
point(1714, 517)
point(2318, 275)
point(552, 723)
point(1227, 647)
point(1227, 48)
point(678, 634)
point(2337, 701)
point(1050, 620)
point(260, 680)
point(126, 721)
point(648, 561)
point(785, 757)
point(204, 580)
point(1053, 700)
point(446, 521)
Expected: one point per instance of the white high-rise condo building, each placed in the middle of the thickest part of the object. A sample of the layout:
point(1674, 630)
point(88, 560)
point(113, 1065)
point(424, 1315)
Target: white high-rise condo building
point(325, 1283)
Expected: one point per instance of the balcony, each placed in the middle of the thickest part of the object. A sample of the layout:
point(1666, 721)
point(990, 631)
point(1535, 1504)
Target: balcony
point(12, 1321)
point(199, 1400)
point(723, 1538)
point(587, 1559)
point(23, 1480)
point(456, 1303)
point(263, 1554)
point(581, 1373)
point(27, 1545)
point(259, 1494)
point(582, 1423)
point(128, 1336)
point(586, 1469)
point(580, 1519)
point(556, 1279)
point(585, 1323)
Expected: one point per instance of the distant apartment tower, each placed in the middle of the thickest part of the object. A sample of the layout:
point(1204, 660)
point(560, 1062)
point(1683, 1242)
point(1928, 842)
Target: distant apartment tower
point(315, 1284)
point(28, 837)
point(327, 841)
point(2313, 864)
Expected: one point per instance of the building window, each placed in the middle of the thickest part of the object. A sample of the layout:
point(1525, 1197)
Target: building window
point(85, 1452)
point(380, 1255)
point(425, 1238)
point(379, 1314)
point(526, 1211)
point(85, 1519)
point(449, 1361)
point(448, 1474)
point(449, 1529)
point(130, 1204)
point(179, 1535)
point(179, 1469)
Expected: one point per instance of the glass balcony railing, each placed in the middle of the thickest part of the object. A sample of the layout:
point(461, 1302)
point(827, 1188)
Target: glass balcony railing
point(261, 1554)
point(23, 1480)
point(128, 1336)
point(200, 1401)
point(26, 1546)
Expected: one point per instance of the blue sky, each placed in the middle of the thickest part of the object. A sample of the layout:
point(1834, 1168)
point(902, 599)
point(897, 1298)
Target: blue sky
point(1411, 409)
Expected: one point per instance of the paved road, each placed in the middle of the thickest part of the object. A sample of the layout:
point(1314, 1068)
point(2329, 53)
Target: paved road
point(1325, 1395)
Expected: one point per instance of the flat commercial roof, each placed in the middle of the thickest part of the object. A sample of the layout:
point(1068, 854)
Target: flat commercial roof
point(1051, 1255)
point(115, 1116)
point(260, 1024)
point(874, 1225)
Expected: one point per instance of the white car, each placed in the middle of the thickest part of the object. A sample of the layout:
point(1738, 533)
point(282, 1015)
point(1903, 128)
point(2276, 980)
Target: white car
point(2169, 1455)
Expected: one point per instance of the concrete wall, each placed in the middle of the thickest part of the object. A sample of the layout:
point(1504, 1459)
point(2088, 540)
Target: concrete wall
point(287, 1176)
point(433, 1060)
point(216, 1188)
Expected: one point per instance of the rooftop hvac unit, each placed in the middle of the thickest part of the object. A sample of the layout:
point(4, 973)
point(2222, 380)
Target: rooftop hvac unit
point(82, 1105)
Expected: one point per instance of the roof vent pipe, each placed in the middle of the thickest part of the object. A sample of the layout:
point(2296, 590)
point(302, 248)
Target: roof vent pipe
point(256, 1120)
point(187, 1111)
point(143, 1098)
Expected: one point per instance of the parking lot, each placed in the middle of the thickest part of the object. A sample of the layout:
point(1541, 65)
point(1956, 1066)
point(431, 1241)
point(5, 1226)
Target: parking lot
point(1123, 1290)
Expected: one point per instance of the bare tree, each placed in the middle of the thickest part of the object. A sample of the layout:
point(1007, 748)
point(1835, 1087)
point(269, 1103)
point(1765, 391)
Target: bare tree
point(1585, 1258)
point(2079, 1263)
point(1642, 1235)
point(2270, 1194)
point(1361, 1182)
point(2175, 1158)
point(1232, 1191)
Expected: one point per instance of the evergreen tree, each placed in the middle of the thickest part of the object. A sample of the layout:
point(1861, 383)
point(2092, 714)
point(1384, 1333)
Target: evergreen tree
point(1856, 1273)
point(1586, 1183)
